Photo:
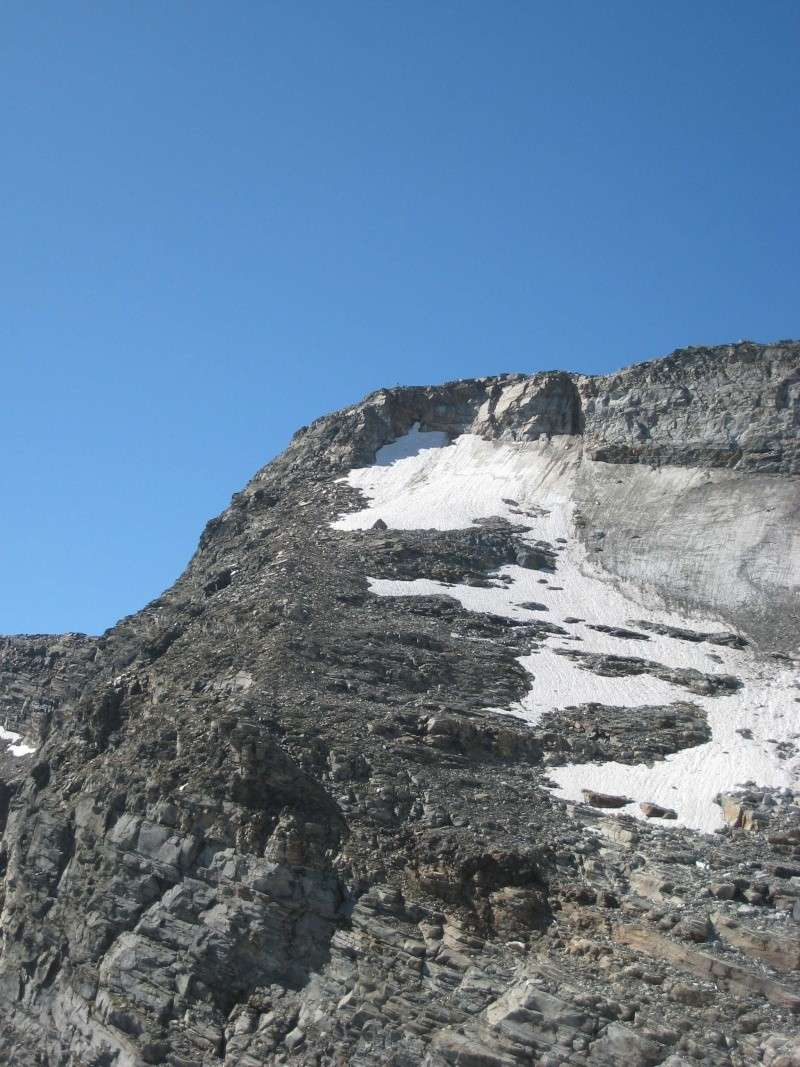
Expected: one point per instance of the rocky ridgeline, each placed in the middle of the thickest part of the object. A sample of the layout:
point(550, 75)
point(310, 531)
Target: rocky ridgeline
point(731, 406)
point(270, 819)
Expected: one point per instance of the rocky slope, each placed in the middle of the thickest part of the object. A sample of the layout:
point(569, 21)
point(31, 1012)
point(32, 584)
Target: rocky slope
point(342, 795)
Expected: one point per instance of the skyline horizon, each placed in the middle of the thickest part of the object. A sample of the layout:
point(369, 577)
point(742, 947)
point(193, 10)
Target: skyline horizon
point(193, 547)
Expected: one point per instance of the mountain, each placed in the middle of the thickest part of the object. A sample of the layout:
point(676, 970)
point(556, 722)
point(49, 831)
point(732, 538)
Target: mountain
point(467, 737)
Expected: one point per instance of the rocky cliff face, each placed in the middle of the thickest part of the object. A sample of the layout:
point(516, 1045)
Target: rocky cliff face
point(413, 763)
point(720, 407)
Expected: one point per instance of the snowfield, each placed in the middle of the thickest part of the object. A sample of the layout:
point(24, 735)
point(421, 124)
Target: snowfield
point(423, 482)
point(17, 747)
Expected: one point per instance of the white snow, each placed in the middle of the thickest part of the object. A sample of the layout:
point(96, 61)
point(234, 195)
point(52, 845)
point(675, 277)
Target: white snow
point(417, 482)
point(445, 488)
point(410, 445)
point(21, 750)
point(16, 749)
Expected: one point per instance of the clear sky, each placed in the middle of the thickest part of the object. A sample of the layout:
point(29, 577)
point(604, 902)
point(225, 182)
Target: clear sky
point(220, 220)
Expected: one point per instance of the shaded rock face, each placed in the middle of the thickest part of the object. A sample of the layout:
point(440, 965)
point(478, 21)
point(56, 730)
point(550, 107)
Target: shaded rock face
point(270, 819)
point(733, 406)
point(721, 407)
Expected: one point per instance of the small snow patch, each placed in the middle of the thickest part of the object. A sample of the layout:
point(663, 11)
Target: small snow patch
point(411, 444)
point(17, 747)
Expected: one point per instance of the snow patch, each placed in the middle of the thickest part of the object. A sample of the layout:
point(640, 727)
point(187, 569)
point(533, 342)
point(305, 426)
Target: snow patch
point(449, 488)
point(410, 445)
point(17, 747)
point(531, 484)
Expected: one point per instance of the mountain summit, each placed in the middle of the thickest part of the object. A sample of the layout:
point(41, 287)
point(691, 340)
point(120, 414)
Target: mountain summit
point(468, 738)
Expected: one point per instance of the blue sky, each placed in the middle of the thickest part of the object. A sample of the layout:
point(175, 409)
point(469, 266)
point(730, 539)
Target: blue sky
point(219, 221)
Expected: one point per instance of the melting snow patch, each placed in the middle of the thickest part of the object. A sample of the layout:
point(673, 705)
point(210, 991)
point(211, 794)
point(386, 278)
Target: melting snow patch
point(449, 488)
point(15, 748)
point(21, 750)
point(423, 487)
point(410, 445)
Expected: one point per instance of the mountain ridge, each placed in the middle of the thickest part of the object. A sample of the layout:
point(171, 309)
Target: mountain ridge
point(275, 817)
